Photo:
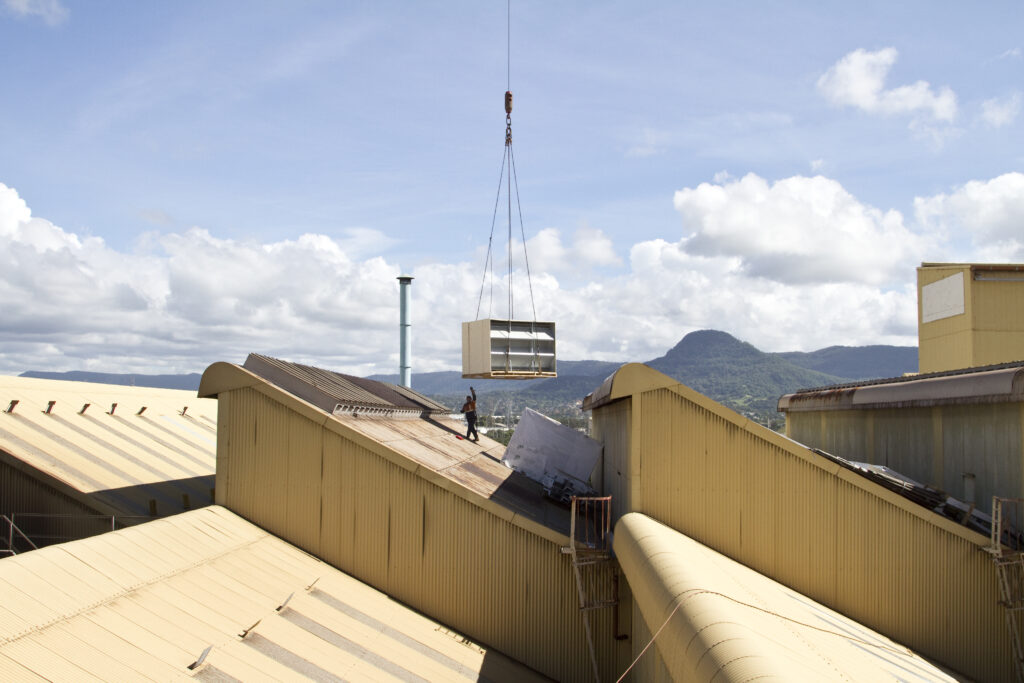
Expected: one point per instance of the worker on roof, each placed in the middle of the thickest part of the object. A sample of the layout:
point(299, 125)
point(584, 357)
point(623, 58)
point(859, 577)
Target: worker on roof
point(469, 408)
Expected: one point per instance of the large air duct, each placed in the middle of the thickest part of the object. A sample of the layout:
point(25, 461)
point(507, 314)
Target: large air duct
point(404, 333)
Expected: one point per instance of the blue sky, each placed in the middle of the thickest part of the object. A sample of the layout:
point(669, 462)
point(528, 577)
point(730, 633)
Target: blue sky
point(186, 182)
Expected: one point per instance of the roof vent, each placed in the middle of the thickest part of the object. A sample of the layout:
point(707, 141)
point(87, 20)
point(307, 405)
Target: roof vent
point(202, 657)
point(49, 407)
point(85, 407)
point(10, 408)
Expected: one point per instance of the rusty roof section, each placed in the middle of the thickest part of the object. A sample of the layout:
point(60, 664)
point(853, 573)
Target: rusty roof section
point(331, 391)
point(987, 384)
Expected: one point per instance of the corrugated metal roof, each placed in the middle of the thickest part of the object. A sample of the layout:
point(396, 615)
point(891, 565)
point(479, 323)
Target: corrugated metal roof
point(145, 603)
point(726, 622)
point(918, 376)
point(116, 447)
point(993, 383)
point(326, 389)
point(430, 441)
point(475, 466)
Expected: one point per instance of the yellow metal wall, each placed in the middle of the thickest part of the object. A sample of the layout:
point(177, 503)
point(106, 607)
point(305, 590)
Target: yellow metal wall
point(828, 533)
point(932, 445)
point(991, 329)
point(998, 307)
point(944, 344)
point(64, 517)
point(427, 546)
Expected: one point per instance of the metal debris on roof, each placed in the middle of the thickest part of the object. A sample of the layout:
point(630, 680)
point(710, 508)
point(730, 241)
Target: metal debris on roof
point(560, 458)
point(934, 499)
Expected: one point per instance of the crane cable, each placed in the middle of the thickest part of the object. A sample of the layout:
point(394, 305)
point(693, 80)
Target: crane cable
point(509, 177)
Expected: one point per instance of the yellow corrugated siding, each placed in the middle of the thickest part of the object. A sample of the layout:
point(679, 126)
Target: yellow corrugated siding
point(931, 445)
point(418, 541)
point(723, 621)
point(945, 344)
point(828, 533)
point(613, 430)
point(990, 331)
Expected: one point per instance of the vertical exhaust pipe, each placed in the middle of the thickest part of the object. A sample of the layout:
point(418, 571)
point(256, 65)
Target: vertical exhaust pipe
point(404, 332)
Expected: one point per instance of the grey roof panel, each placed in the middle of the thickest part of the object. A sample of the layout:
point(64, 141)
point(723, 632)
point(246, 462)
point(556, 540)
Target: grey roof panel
point(326, 389)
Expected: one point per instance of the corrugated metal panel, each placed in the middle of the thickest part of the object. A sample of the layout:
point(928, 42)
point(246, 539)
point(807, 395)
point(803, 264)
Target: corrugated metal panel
point(325, 389)
point(725, 622)
point(143, 603)
point(800, 519)
point(109, 460)
point(991, 330)
point(410, 509)
point(934, 446)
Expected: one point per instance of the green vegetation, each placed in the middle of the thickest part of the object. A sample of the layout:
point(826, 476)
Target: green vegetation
point(714, 363)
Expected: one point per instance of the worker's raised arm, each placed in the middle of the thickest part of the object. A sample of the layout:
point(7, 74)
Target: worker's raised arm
point(473, 391)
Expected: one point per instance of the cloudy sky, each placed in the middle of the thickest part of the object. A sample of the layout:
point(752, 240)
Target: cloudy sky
point(182, 183)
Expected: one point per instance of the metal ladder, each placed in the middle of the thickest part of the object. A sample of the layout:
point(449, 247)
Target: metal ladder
point(590, 536)
point(1009, 563)
point(13, 529)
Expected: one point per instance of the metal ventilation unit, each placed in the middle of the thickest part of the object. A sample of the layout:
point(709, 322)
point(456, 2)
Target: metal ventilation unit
point(508, 349)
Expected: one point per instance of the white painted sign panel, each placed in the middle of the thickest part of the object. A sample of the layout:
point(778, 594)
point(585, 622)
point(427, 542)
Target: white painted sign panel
point(943, 299)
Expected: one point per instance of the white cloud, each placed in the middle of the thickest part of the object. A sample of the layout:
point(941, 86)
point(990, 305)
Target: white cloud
point(796, 230)
point(998, 112)
point(1012, 53)
point(590, 248)
point(50, 11)
point(858, 80)
point(817, 164)
point(988, 213)
point(795, 264)
point(191, 298)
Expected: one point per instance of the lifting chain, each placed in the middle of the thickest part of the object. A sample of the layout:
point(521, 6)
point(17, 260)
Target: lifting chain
point(508, 118)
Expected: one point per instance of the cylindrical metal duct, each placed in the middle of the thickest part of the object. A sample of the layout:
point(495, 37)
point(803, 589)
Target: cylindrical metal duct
point(405, 333)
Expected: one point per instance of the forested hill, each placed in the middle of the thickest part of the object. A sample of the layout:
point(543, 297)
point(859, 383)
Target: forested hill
point(858, 362)
point(735, 373)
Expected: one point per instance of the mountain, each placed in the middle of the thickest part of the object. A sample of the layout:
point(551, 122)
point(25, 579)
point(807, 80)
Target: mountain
point(736, 373)
point(187, 382)
point(858, 362)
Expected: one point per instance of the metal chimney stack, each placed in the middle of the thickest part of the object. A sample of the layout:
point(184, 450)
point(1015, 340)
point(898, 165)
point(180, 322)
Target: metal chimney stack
point(404, 332)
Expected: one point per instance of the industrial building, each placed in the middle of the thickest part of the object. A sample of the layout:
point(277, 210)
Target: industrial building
point(392, 495)
point(969, 315)
point(381, 485)
point(79, 458)
point(958, 431)
point(798, 518)
point(738, 553)
point(958, 425)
